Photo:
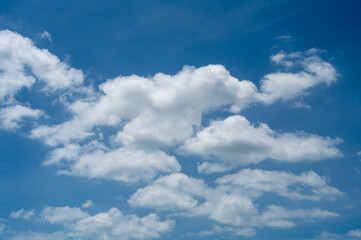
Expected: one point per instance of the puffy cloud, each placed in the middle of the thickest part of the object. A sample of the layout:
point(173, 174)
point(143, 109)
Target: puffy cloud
point(350, 235)
point(114, 225)
point(62, 214)
point(247, 232)
point(163, 111)
point(152, 107)
point(173, 192)
point(255, 182)
point(39, 236)
point(22, 64)
point(87, 204)
point(111, 225)
point(12, 116)
point(285, 85)
point(207, 167)
point(231, 201)
point(235, 141)
point(122, 164)
point(355, 233)
point(279, 217)
point(167, 109)
point(21, 213)
point(46, 35)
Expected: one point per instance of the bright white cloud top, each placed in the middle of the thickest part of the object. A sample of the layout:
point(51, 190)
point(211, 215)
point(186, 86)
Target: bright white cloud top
point(134, 130)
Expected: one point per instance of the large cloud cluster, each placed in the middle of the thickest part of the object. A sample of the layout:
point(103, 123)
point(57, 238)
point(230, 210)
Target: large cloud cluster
point(135, 130)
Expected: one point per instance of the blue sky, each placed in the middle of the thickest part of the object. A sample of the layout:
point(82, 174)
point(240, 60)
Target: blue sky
point(180, 120)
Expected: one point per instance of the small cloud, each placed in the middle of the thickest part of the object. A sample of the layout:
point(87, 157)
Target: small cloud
point(286, 38)
point(46, 35)
point(23, 214)
point(355, 233)
point(87, 204)
point(301, 105)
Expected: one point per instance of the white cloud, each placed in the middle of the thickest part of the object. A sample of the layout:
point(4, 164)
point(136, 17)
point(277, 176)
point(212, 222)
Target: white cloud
point(39, 236)
point(150, 115)
point(111, 225)
point(87, 204)
point(255, 182)
point(122, 164)
point(46, 35)
point(286, 85)
point(62, 214)
point(173, 192)
point(301, 105)
point(279, 217)
point(152, 107)
point(21, 213)
point(350, 235)
point(22, 64)
point(247, 232)
point(286, 38)
point(231, 202)
point(355, 233)
point(163, 111)
point(235, 141)
point(166, 110)
point(207, 167)
point(12, 116)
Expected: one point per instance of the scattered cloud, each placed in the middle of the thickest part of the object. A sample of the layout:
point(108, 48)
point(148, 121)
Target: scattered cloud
point(235, 141)
point(231, 201)
point(301, 105)
point(87, 204)
point(23, 64)
point(122, 164)
point(21, 213)
point(286, 38)
point(130, 127)
point(351, 235)
point(164, 101)
point(12, 116)
point(110, 225)
point(46, 35)
point(62, 214)
point(152, 114)
point(39, 236)
point(286, 184)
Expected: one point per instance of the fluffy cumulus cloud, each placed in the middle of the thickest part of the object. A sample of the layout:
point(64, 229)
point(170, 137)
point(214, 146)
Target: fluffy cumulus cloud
point(151, 114)
point(231, 200)
point(12, 116)
point(150, 108)
point(127, 165)
point(235, 141)
point(350, 235)
point(131, 128)
point(62, 214)
point(286, 184)
point(22, 64)
point(39, 236)
point(285, 85)
point(113, 224)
